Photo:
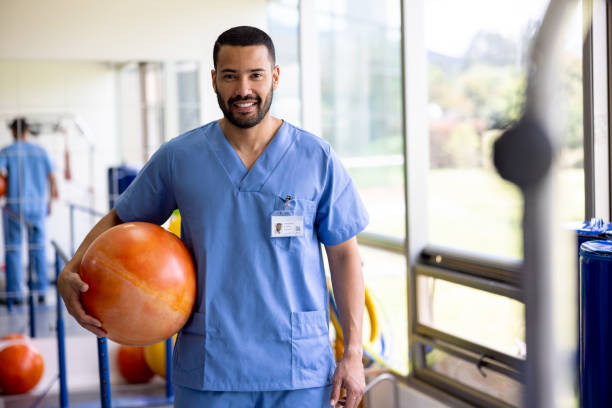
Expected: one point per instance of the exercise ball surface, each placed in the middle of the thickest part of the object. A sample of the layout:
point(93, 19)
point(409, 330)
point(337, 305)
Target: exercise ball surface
point(21, 365)
point(142, 283)
point(3, 185)
point(132, 365)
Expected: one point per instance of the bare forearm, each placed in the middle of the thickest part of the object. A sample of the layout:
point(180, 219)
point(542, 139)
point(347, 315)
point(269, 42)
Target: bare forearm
point(347, 281)
point(108, 221)
point(53, 193)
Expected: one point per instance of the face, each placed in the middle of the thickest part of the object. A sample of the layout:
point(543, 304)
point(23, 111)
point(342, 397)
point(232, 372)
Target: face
point(244, 81)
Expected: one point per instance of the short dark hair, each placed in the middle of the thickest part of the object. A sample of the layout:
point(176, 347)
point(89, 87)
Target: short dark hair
point(244, 36)
point(19, 126)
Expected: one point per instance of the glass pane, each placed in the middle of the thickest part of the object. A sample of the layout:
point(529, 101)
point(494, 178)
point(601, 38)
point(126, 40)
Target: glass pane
point(188, 96)
point(493, 321)
point(385, 279)
point(283, 27)
point(491, 382)
point(361, 102)
point(476, 82)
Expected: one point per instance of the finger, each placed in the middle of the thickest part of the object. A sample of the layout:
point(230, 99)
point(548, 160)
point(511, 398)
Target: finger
point(351, 400)
point(95, 330)
point(79, 313)
point(335, 395)
point(77, 283)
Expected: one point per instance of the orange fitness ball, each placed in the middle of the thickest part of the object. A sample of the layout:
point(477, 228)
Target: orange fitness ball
point(142, 283)
point(2, 185)
point(21, 365)
point(133, 366)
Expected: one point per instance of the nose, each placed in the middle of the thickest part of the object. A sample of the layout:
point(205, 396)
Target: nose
point(243, 87)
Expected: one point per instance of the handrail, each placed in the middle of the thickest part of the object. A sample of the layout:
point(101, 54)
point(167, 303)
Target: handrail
point(85, 209)
point(381, 378)
point(59, 251)
point(381, 241)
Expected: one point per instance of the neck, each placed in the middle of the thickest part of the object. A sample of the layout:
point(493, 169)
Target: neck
point(254, 139)
point(250, 143)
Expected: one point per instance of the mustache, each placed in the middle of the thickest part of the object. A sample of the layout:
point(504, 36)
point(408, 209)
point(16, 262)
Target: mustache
point(243, 98)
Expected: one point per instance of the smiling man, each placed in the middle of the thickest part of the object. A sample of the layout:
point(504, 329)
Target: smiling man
point(257, 197)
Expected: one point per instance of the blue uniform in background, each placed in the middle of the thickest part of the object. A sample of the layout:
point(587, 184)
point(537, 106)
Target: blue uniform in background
point(28, 167)
point(260, 322)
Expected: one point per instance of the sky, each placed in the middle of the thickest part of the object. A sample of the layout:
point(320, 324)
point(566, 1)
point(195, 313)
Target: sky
point(450, 24)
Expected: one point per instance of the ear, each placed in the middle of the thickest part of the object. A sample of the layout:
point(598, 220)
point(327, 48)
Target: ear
point(213, 75)
point(275, 76)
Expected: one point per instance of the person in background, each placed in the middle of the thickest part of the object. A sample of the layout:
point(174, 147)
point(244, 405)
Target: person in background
point(30, 185)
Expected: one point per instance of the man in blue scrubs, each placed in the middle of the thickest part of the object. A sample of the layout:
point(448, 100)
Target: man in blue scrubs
point(257, 198)
point(30, 178)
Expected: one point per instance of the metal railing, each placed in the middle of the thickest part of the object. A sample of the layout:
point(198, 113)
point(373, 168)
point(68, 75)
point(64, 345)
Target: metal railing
point(103, 365)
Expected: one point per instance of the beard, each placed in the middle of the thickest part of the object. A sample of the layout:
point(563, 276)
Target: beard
point(246, 121)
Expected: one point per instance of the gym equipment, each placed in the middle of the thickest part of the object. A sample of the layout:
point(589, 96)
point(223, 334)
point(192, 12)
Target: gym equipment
point(175, 223)
point(132, 365)
point(155, 356)
point(21, 365)
point(142, 283)
point(595, 354)
point(119, 178)
point(3, 186)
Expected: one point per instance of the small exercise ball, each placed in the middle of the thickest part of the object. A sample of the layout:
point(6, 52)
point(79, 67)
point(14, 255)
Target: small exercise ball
point(3, 185)
point(155, 356)
point(132, 365)
point(142, 283)
point(21, 365)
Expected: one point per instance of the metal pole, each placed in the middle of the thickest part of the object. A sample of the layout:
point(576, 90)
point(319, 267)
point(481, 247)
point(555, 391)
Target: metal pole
point(169, 392)
point(525, 155)
point(31, 300)
point(61, 346)
point(105, 394)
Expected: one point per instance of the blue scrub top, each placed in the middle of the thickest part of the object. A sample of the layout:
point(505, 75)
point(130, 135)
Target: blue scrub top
point(260, 322)
point(28, 168)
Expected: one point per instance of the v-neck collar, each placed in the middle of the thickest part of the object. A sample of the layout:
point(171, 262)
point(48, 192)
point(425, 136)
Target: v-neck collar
point(254, 179)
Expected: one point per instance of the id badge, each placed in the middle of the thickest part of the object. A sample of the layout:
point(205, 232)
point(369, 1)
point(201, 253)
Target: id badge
point(287, 225)
point(284, 223)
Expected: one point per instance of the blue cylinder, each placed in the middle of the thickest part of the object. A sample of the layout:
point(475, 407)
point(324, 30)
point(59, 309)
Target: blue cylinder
point(596, 228)
point(119, 178)
point(595, 324)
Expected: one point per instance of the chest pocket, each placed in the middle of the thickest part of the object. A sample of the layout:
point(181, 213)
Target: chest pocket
point(300, 207)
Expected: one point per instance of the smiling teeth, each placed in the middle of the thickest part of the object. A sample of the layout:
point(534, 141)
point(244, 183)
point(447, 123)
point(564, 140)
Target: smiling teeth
point(244, 105)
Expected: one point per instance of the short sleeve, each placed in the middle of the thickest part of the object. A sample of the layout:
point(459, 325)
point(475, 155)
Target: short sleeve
point(150, 197)
point(3, 160)
point(340, 213)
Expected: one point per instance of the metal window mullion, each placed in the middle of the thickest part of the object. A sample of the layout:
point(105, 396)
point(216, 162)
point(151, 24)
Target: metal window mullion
point(595, 80)
point(492, 267)
point(386, 243)
point(500, 362)
point(469, 280)
point(462, 391)
point(416, 153)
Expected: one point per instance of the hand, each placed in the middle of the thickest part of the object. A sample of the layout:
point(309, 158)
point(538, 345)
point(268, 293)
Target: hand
point(70, 286)
point(348, 376)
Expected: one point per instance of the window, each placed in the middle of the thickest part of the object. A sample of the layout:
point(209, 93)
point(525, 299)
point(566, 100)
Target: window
point(359, 53)
point(476, 66)
point(283, 27)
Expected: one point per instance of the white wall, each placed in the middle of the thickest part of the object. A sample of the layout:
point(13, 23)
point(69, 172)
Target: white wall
point(58, 56)
point(119, 29)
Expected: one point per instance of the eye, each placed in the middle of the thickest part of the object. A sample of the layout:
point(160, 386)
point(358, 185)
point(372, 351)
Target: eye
point(229, 77)
point(257, 75)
